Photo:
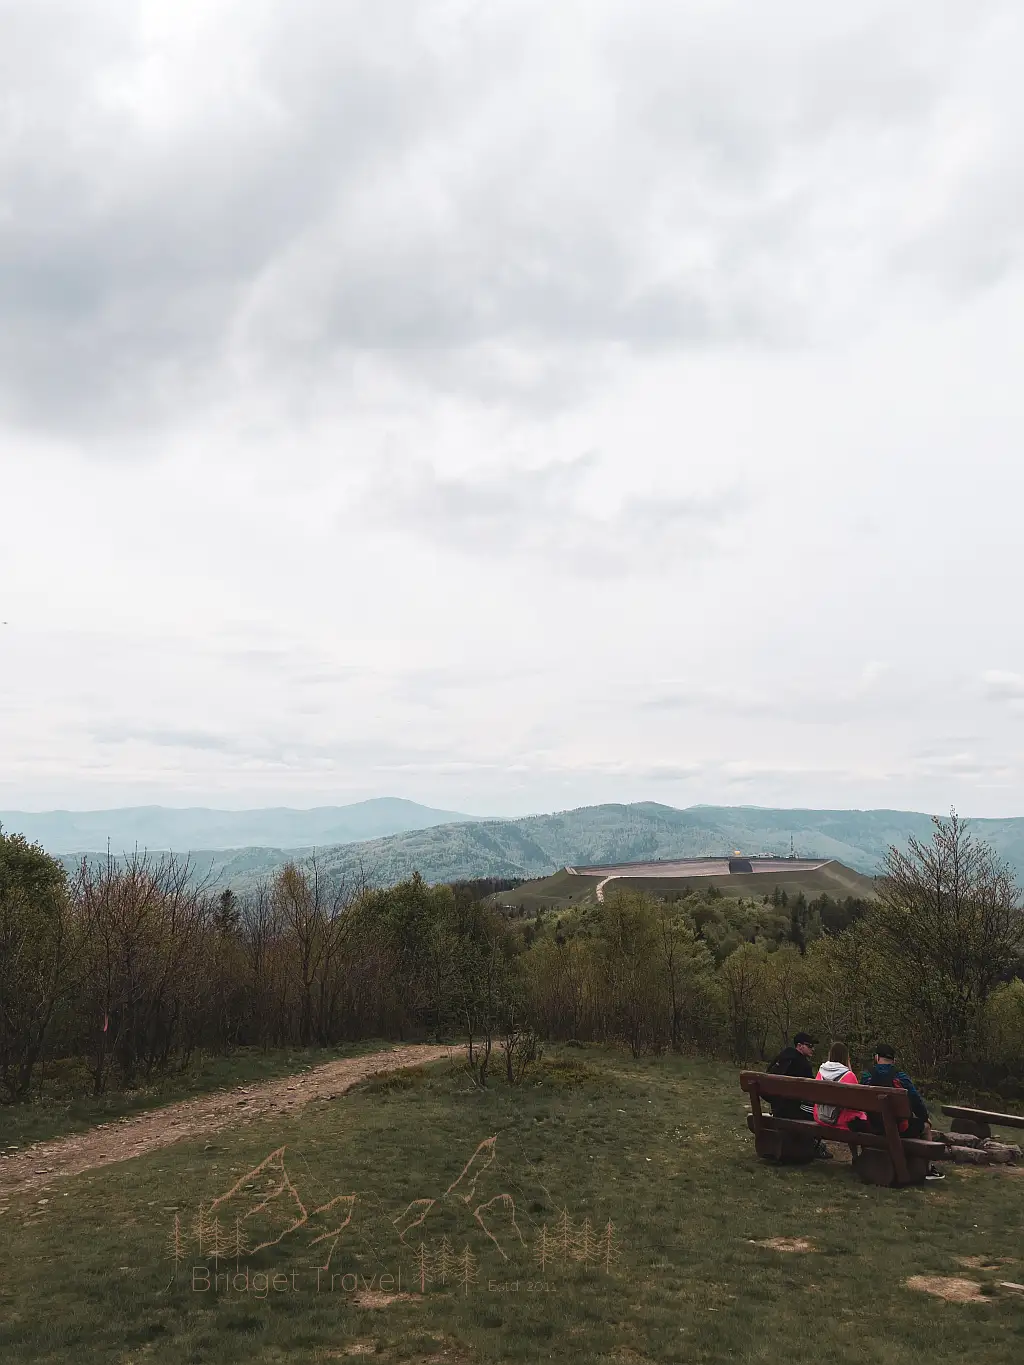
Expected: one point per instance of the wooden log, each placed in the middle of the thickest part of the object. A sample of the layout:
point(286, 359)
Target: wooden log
point(792, 1148)
point(768, 1144)
point(798, 1149)
point(874, 1167)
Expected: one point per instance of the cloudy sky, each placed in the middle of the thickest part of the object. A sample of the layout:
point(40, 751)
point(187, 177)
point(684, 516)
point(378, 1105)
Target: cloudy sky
point(511, 405)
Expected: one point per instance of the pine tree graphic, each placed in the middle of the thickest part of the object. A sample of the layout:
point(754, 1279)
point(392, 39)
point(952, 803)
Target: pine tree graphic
point(545, 1249)
point(467, 1269)
point(609, 1248)
point(201, 1229)
point(219, 1245)
point(176, 1246)
point(565, 1240)
point(240, 1247)
point(587, 1247)
point(424, 1267)
point(445, 1262)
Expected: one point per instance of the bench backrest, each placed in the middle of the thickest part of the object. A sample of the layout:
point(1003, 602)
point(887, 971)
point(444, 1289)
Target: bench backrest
point(872, 1099)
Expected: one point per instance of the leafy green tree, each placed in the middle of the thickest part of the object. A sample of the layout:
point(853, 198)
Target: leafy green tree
point(688, 970)
point(949, 925)
point(634, 983)
point(744, 981)
point(38, 952)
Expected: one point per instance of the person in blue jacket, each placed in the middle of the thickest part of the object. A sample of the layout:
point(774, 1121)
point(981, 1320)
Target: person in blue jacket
point(884, 1073)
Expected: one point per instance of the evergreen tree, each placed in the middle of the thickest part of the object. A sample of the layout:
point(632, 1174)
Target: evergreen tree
point(424, 1264)
point(445, 1262)
point(545, 1250)
point(564, 1236)
point(201, 1229)
point(587, 1246)
point(176, 1245)
point(609, 1248)
point(240, 1246)
point(220, 1245)
point(467, 1269)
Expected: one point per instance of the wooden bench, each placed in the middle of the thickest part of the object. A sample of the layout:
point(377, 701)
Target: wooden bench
point(980, 1122)
point(879, 1160)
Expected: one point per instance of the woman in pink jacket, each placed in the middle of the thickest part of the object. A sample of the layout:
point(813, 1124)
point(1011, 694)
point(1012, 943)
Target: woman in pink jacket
point(837, 1068)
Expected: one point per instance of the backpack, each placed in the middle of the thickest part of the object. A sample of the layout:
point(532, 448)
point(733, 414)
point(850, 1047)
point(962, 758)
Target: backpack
point(829, 1113)
point(890, 1082)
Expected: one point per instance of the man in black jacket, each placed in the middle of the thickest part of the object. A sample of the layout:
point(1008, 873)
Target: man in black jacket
point(796, 1061)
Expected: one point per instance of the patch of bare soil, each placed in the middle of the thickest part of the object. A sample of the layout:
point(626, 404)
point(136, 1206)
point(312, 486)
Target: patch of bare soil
point(373, 1298)
point(448, 1352)
point(952, 1290)
point(787, 1244)
point(131, 1137)
point(983, 1262)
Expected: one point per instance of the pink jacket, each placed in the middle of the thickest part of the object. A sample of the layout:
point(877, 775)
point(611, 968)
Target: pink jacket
point(836, 1118)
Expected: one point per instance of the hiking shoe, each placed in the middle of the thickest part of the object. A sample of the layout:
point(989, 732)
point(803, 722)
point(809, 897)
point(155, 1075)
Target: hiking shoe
point(933, 1173)
point(822, 1151)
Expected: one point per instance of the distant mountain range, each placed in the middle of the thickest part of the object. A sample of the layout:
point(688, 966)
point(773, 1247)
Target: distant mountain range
point(166, 828)
point(538, 845)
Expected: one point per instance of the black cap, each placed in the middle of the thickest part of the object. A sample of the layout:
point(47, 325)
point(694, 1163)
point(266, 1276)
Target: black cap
point(805, 1038)
point(884, 1050)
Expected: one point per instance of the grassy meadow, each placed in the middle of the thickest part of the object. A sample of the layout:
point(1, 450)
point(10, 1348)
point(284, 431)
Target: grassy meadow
point(622, 1214)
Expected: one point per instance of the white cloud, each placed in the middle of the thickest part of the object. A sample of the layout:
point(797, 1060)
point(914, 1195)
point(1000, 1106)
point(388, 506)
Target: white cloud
point(1004, 686)
point(508, 404)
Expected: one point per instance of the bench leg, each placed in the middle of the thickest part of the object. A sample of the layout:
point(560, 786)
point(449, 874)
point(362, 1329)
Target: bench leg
point(876, 1168)
point(798, 1148)
point(768, 1145)
point(792, 1148)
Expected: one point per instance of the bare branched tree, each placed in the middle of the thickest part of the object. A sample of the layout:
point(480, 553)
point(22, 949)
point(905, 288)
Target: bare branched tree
point(951, 927)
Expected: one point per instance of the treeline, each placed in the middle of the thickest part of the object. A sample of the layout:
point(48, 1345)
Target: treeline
point(130, 967)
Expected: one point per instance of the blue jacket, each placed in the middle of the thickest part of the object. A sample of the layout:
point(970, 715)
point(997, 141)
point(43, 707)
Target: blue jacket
point(882, 1073)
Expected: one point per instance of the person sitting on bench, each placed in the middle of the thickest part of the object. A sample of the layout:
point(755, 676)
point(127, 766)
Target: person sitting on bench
point(837, 1070)
point(796, 1061)
point(884, 1073)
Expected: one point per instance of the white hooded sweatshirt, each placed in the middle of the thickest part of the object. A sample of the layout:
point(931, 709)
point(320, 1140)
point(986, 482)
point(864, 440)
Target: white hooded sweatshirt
point(831, 1113)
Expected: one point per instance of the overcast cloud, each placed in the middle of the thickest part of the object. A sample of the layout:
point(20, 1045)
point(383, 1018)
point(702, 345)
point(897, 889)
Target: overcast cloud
point(511, 405)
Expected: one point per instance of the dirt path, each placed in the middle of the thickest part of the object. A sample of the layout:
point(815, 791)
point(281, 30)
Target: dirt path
point(130, 1137)
point(599, 888)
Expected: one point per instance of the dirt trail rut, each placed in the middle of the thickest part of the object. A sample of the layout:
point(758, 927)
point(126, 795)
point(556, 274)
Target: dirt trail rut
point(130, 1137)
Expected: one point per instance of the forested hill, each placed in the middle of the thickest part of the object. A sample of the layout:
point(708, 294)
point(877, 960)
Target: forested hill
point(537, 845)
